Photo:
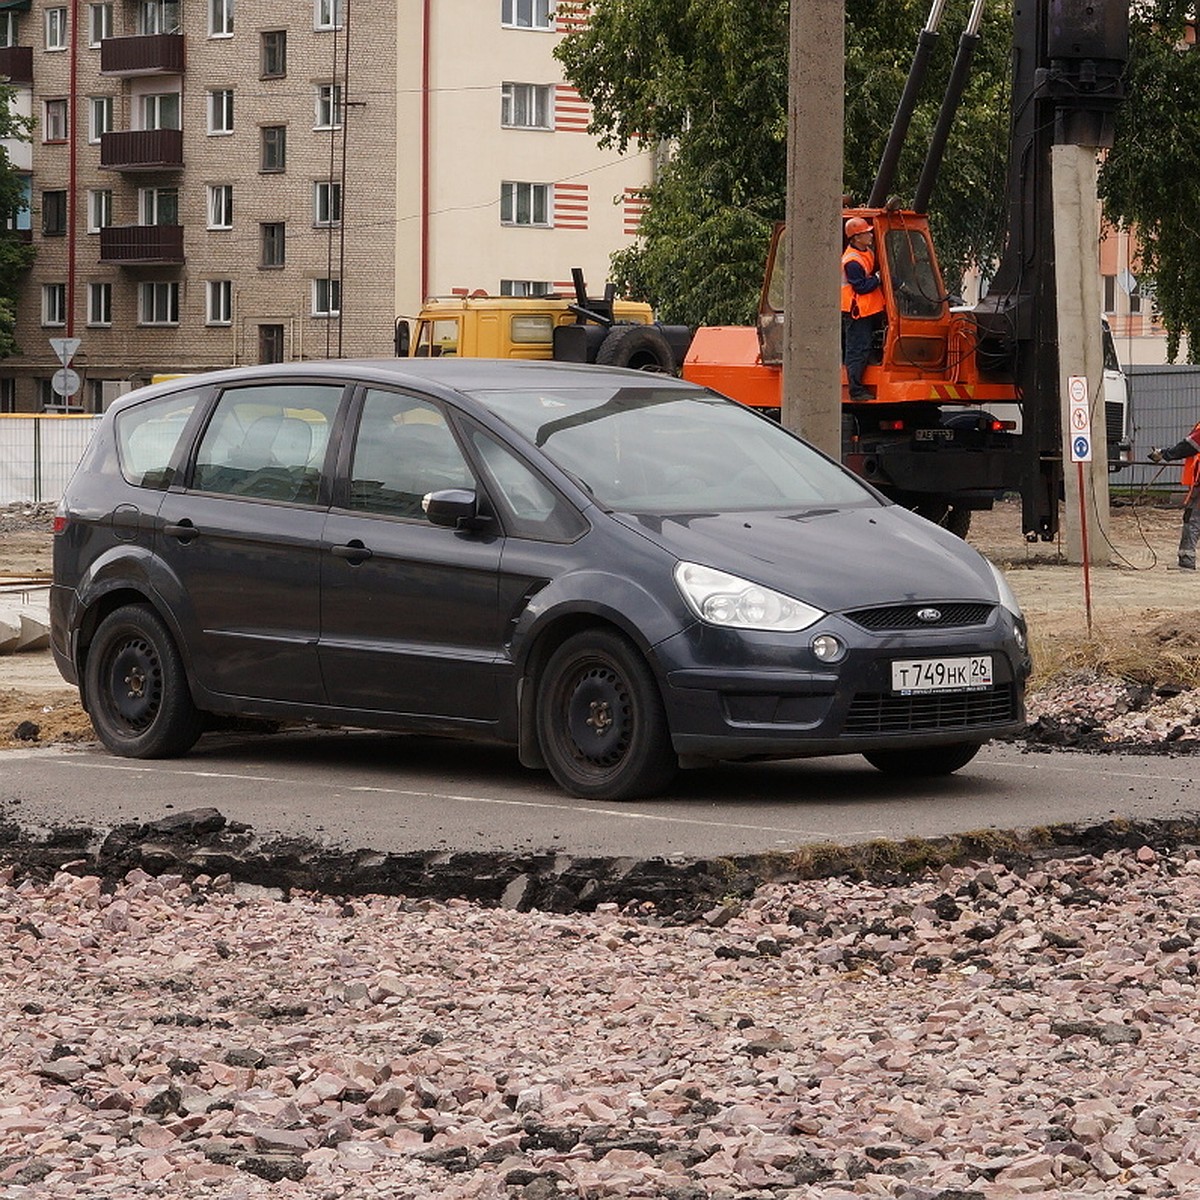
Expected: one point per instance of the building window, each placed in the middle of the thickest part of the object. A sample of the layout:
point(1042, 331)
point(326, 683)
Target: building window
point(326, 297)
point(273, 58)
point(270, 343)
point(526, 14)
point(100, 117)
point(327, 14)
point(220, 206)
point(524, 287)
point(220, 18)
point(54, 214)
point(273, 243)
point(9, 30)
point(524, 203)
point(99, 304)
point(158, 206)
point(274, 148)
point(8, 394)
point(99, 209)
point(220, 302)
point(1110, 293)
point(525, 106)
point(220, 111)
point(54, 303)
point(56, 29)
point(100, 23)
point(329, 106)
point(160, 110)
point(327, 203)
point(158, 16)
point(54, 128)
point(158, 303)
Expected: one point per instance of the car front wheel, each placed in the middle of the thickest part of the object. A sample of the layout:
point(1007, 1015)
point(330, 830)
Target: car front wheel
point(136, 688)
point(600, 720)
point(924, 762)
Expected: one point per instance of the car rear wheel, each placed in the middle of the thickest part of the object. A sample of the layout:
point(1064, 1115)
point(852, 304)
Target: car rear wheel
point(926, 761)
point(600, 720)
point(136, 688)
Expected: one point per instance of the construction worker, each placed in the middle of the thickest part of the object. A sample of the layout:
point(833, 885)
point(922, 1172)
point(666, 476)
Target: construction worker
point(1189, 451)
point(862, 303)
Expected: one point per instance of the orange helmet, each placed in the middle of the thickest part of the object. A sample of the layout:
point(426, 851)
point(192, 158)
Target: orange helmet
point(857, 225)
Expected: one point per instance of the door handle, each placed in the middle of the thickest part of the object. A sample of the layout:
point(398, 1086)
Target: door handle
point(185, 531)
point(353, 552)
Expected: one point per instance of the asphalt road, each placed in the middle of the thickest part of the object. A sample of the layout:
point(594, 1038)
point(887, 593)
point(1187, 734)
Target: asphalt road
point(392, 794)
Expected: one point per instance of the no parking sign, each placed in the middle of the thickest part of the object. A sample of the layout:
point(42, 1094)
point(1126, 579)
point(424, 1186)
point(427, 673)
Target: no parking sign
point(1080, 419)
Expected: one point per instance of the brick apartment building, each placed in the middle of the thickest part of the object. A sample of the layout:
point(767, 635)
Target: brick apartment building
point(211, 186)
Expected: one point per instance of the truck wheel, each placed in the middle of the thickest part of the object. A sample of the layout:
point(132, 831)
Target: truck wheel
point(638, 346)
point(925, 762)
point(958, 521)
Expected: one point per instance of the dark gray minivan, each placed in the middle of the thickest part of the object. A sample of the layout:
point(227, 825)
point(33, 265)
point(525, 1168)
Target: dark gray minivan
point(615, 572)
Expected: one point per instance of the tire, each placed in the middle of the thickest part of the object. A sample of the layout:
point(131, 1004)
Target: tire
point(136, 688)
point(600, 720)
point(926, 762)
point(641, 347)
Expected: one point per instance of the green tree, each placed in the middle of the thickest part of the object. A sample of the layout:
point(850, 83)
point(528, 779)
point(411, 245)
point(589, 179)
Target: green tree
point(15, 254)
point(1148, 180)
point(709, 79)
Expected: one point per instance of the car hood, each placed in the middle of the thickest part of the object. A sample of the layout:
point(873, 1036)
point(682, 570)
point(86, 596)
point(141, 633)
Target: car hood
point(832, 558)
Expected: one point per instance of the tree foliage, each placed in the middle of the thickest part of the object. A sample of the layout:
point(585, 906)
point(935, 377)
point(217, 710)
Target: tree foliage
point(15, 254)
point(1148, 179)
point(709, 79)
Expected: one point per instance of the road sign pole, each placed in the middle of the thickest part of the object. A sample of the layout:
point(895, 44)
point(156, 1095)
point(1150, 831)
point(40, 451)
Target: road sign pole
point(1083, 533)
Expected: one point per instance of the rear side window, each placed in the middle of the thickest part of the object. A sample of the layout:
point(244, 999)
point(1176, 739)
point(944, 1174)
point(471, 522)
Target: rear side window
point(268, 442)
point(148, 435)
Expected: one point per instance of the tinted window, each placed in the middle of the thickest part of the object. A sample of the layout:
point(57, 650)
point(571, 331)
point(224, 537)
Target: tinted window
point(403, 451)
point(915, 282)
point(533, 509)
point(268, 442)
point(147, 435)
point(649, 449)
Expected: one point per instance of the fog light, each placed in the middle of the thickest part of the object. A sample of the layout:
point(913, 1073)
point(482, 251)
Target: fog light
point(828, 648)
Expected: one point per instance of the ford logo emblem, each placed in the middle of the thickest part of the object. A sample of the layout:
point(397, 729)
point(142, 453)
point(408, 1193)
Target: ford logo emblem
point(929, 615)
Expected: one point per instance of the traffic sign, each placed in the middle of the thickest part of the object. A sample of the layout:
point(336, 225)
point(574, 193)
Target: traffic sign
point(65, 382)
point(1079, 419)
point(65, 349)
point(1081, 448)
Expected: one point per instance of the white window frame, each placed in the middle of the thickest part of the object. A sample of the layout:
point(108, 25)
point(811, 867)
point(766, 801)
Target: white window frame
point(326, 298)
point(220, 18)
point(99, 304)
point(54, 304)
point(10, 32)
point(218, 302)
point(99, 209)
point(515, 196)
point(157, 107)
point(327, 204)
point(327, 107)
point(525, 287)
point(220, 112)
point(327, 14)
point(158, 303)
point(219, 206)
point(525, 105)
point(100, 117)
point(56, 28)
point(100, 23)
point(56, 127)
point(153, 200)
point(527, 14)
point(158, 16)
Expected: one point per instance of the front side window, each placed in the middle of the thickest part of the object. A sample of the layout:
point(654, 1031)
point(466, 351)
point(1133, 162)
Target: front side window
point(327, 14)
point(525, 106)
point(100, 209)
point(273, 54)
point(158, 16)
point(147, 437)
point(99, 304)
point(54, 128)
point(524, 204)
point(326, 297)
point(56, 29)
point(526, 14)
point(100, 114)
point(159, 206)
point(220, 206)
point(54, 213)
point(404, 450)
point(219, 308)
point(327, 203)
point(329, 106)
point(532, 508)
point(54, 304)
point(274, 149)
point(161, 111)
point(273, 243)
point(220, 111)
point(220, 18)
point(100, 23)
point(914, 274)
point(158, 303)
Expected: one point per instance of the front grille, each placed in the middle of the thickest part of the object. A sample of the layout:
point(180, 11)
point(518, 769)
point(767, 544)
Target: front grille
point(904, 616)
point(1114, 420)
point(882, 713)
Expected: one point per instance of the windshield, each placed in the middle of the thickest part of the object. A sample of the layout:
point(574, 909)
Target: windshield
point(658, 450)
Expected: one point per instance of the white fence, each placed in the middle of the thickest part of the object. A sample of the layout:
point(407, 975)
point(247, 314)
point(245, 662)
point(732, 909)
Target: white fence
point(39, 451)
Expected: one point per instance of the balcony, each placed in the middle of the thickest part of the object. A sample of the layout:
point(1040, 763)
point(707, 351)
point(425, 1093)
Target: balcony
point(150, 54)
point(141, 245)
point(142, 150)
point(16, 63)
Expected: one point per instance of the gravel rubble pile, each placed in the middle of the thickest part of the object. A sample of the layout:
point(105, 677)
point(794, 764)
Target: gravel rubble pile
point(977, 1034)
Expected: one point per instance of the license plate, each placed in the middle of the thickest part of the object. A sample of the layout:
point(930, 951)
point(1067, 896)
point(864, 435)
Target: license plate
point(970, 674)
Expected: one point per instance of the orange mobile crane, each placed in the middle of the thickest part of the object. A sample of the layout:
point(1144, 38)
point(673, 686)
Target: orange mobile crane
point(926, 437)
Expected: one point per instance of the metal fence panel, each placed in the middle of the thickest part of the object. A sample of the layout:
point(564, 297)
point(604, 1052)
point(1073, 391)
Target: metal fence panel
point(39, 451)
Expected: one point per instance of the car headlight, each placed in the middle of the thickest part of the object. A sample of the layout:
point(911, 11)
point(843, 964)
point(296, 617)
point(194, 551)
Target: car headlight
point(726, 600)
point(1005, 592)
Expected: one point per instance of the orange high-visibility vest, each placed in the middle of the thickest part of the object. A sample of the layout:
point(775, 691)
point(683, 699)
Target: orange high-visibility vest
point(861, 304)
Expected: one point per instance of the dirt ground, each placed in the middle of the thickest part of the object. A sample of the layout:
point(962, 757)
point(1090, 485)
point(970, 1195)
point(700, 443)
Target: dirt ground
point(1144, 611)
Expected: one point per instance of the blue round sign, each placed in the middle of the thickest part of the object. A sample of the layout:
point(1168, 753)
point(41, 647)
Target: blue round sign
point(1082, 447)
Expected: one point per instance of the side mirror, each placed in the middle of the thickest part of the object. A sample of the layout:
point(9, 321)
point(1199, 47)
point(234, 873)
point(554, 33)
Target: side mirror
point(402, 337)
point(454, 508)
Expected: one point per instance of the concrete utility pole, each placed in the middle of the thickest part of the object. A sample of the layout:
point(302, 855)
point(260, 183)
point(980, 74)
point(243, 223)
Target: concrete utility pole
point(812, 359)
